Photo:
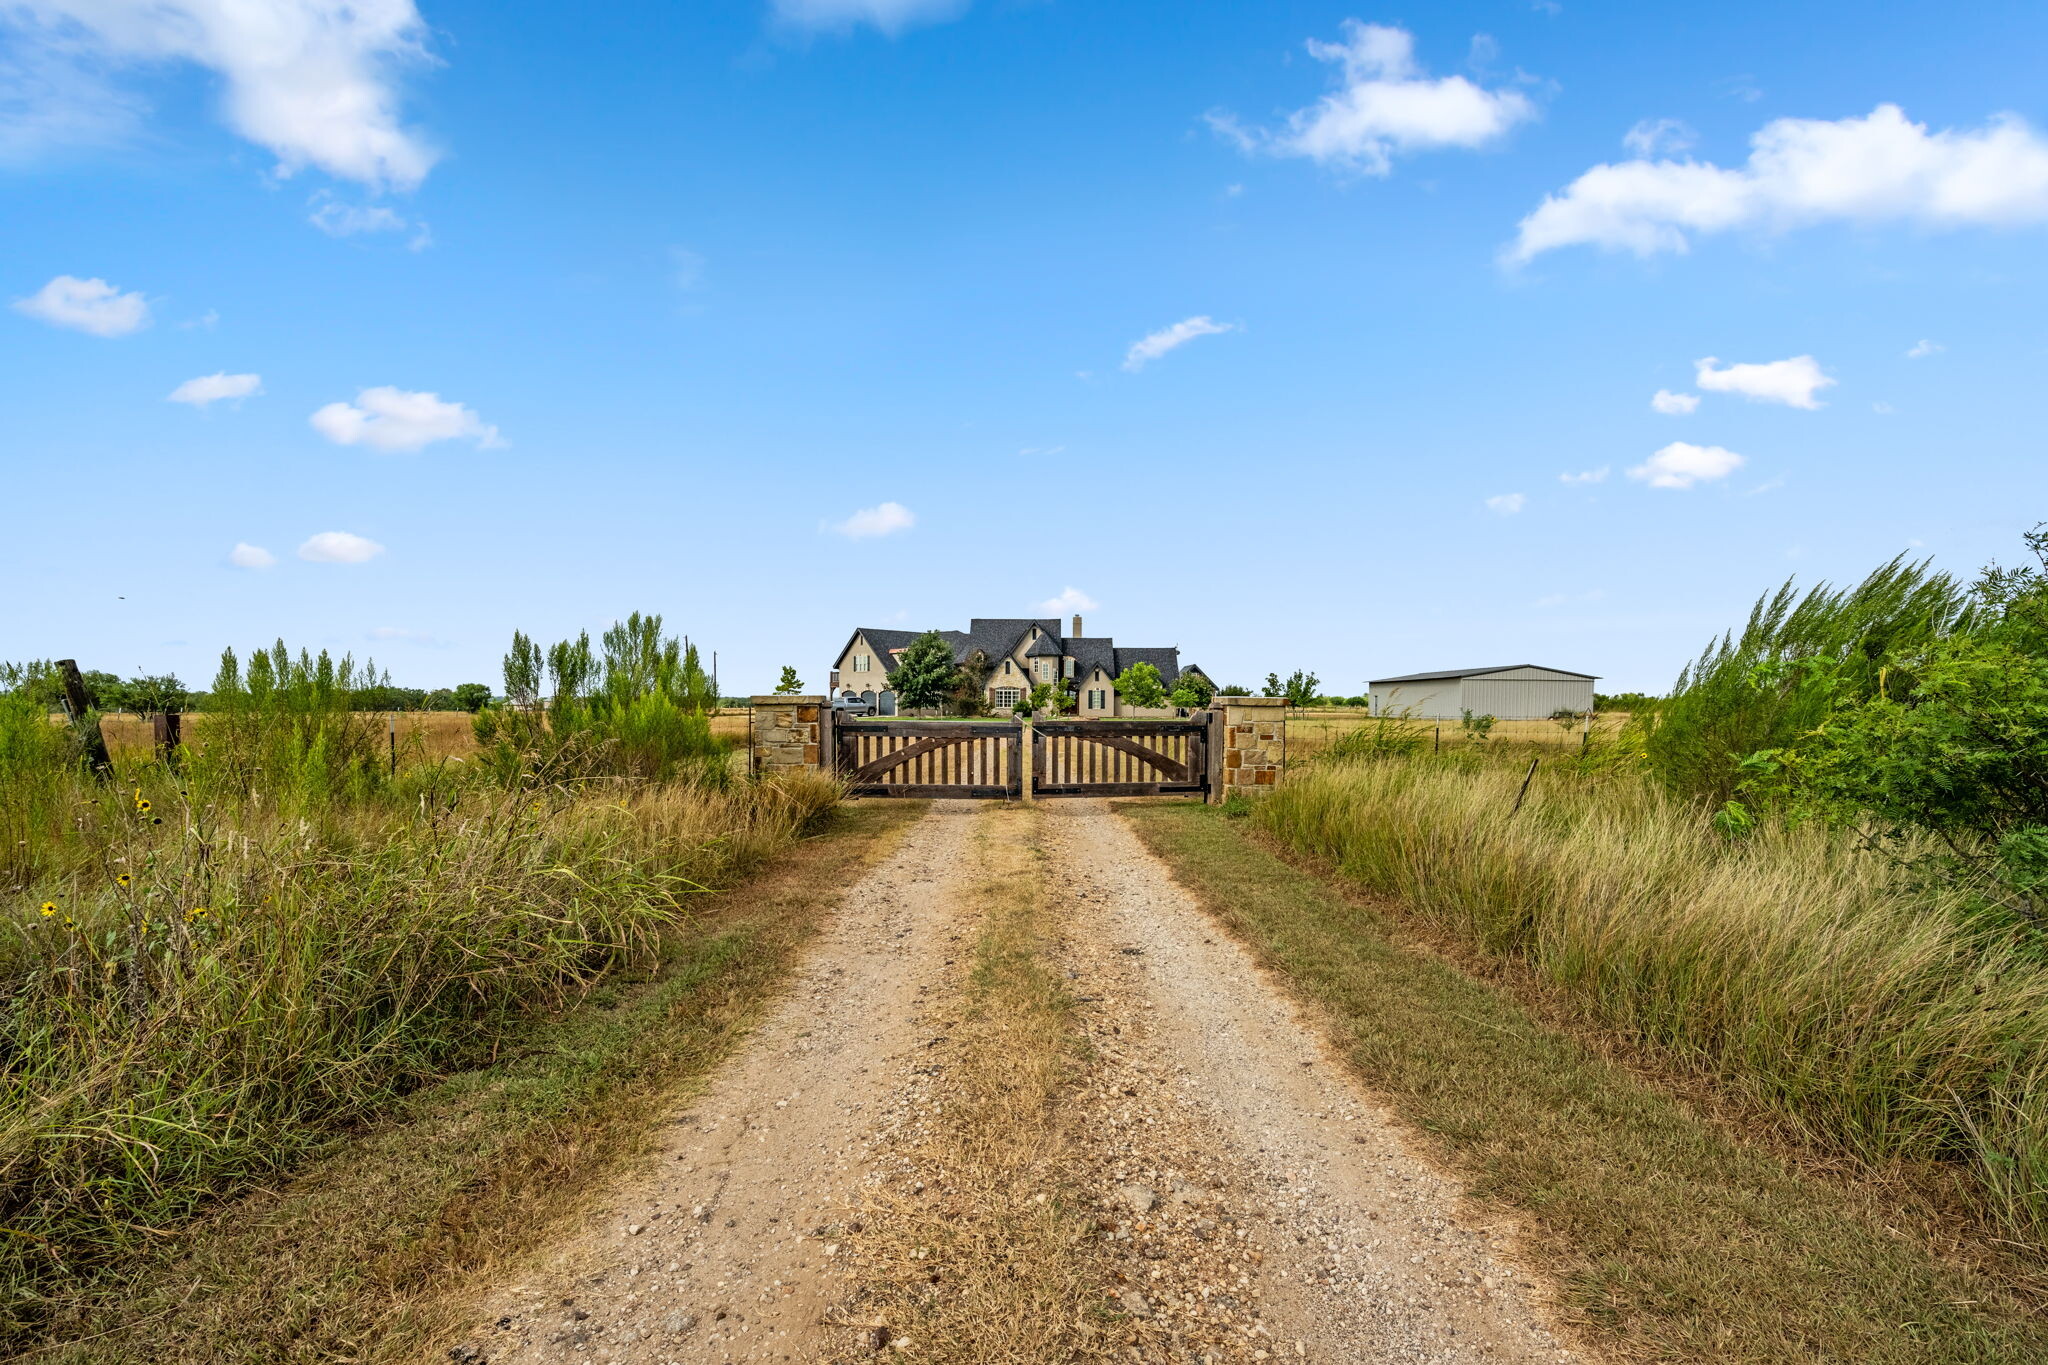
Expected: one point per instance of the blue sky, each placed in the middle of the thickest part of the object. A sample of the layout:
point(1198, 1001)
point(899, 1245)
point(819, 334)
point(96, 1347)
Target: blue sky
point(783, 316)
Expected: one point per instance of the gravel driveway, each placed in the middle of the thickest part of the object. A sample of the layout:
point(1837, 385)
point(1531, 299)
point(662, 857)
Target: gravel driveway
point(1253, 1203)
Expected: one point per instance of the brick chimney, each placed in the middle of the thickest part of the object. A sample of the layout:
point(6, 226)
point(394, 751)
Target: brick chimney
point(1077, 625)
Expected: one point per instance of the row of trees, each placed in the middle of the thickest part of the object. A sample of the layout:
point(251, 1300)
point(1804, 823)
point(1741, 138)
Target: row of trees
point(151, 694)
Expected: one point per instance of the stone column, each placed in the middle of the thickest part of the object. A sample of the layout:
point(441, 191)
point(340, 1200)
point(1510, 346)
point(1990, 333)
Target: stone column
point(788, 733)
point(1254, 743)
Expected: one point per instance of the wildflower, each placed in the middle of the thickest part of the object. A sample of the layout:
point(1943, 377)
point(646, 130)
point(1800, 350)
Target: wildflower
point(196, 912)
point(49, 909)
point(123, 879)
point(142, 804)
point(70, 923)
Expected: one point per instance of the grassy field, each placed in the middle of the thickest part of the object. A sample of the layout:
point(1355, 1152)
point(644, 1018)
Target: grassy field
point(1673, 1237)
point(423, 736)
point(1313, 729)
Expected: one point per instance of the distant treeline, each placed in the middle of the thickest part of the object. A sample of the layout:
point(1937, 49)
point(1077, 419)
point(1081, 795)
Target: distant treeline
point(147, 694)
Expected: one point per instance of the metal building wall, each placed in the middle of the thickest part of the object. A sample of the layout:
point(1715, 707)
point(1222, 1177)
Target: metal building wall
point(1435, 699)
point(1527, 698)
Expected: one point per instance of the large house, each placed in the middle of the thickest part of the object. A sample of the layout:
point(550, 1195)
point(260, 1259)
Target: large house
point(1020, 653)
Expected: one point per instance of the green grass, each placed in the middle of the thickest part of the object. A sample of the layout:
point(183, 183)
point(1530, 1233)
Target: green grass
point(1669, 1237)
point(365, 1254)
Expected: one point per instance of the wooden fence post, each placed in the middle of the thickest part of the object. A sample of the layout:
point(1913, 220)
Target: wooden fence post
point(84, 722)
point(1027, 768)
point(167, 729)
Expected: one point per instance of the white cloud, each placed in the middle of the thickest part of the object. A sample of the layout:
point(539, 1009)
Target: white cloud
point(884, 519)
point(1923, 348)
point(211, 388)
point(247, 556)
point(890, 16)
point(386, 418)
point(1791, 382)
point(86, 306)
point(1651, 136)
point(1674, 404)
point(314, 81)
point(1804, 171)
point(1507, 504)
point(339, 547)
point(1384, 105)
point(1683, 464)
point(1073, 599)
point(1167, 338)
point(1585, 476)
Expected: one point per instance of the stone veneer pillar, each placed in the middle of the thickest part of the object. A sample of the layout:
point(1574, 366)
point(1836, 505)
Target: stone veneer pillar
point(1254, 743)
point(787, 732)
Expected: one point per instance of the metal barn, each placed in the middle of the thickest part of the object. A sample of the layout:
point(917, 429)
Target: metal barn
point(1511, 692)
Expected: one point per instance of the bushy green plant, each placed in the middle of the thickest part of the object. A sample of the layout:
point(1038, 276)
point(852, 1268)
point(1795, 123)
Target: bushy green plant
point(1140, 685)
point(925, 673)
point(1796, 658)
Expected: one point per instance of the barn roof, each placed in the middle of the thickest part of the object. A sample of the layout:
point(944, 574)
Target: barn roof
point(1480, 673)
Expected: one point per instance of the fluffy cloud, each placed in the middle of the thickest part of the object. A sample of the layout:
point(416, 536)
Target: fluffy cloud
point(338, 219)
point(1507, 504)
point(247, 556)
point(390, 419)
point(1384, 105)
point(1803, 171)
point(1585, 476)
point(1791, 382)
point(1674, 404)
point(885, 519)
point(314, 81)
point(1683, 464)
point(86, 306)
point(339, 547)
point(1923, 348)
point(890, 16)
point(211, 388)
point(1073, 599)
point(1167, 338)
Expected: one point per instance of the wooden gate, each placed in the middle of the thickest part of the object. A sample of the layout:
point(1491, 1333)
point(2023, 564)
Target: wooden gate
point(981, 759)
point(1120, 757)
point(929, 757)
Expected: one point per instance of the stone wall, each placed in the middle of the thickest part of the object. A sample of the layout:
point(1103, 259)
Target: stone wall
point(788, 732)
point(1254, 745)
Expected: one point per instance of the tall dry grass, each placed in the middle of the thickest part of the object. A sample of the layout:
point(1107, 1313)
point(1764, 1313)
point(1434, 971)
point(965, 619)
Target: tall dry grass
point(1874, 1015)
point(194, 991)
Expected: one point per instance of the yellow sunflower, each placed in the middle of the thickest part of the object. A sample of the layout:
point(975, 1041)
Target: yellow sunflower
point(49, 909)
point(123, 879)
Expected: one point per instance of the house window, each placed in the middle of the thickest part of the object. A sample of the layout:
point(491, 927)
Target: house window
point(1008, 667)
point(1045, 670)
point(863, 663)
point(1096, 701)
point(1008, 696)
point(1070, 668)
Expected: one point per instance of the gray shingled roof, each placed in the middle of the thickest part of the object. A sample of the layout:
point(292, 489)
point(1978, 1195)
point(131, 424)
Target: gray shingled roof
point(1167, 661)
point(1477, 673)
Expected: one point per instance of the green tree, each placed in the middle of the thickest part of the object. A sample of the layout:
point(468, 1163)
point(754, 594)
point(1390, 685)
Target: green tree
point(1235, 690)
point(472, 697)
point(925, 672)
point(790, 684)
point(1040, 698)
point(1299, 689)
point(1191, 690)
point(1140, 685)
point(1274, 687)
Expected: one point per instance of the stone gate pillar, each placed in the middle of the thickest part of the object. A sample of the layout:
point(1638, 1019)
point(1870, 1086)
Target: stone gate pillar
point(786, 733)
point(1253, 745)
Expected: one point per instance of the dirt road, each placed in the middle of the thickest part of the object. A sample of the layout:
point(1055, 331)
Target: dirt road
point(1241, 1197)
